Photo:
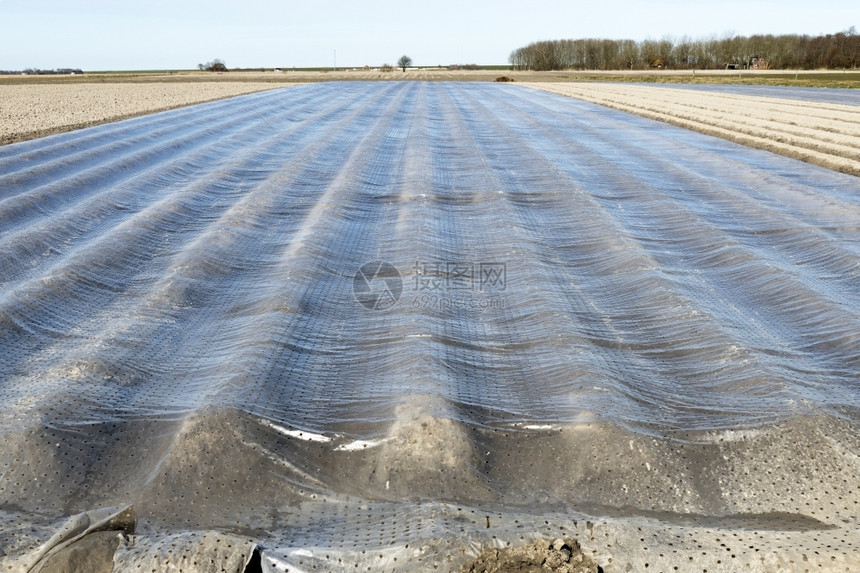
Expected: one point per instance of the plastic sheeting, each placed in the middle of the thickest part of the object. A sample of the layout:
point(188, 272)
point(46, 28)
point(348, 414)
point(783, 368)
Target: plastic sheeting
point(825, 95)
point(384, 325)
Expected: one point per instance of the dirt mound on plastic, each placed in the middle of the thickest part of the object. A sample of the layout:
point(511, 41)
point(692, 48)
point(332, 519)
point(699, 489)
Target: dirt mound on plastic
point(559, 556)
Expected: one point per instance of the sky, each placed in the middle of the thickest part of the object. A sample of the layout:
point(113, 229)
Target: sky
point(97, 35)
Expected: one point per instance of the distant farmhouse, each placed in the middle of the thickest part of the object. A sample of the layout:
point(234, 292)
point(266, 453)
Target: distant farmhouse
point(754, 63)
point(757, 63)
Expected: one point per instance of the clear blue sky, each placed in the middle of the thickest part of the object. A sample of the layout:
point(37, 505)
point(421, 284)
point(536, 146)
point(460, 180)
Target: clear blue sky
point(179, 34)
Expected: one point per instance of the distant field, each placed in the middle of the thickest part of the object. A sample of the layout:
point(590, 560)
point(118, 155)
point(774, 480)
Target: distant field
point(814, 78)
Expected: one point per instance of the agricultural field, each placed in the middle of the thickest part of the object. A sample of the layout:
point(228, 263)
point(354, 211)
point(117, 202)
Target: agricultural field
point(820, 132)
point(415, 326)
point(29, 110)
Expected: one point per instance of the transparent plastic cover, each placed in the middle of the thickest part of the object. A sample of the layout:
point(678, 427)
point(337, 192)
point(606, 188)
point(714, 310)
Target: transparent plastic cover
point(386, 325)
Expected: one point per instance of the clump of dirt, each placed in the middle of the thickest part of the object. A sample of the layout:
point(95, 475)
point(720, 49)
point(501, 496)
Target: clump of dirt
point(425, 454)
point(504, 79)
point(559, 556)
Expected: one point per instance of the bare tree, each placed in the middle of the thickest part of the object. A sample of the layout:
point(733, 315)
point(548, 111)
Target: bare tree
point(215, 65)
point(682, 53)
point(404, 62)
point(629, 53)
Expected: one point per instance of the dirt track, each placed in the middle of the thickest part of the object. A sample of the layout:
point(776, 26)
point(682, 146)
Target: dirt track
point(821, 133)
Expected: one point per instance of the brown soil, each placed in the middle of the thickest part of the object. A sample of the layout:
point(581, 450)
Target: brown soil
point(543, 556)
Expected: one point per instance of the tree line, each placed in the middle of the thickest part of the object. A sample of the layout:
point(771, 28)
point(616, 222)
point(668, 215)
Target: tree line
point(792, 51)
point(38, 72)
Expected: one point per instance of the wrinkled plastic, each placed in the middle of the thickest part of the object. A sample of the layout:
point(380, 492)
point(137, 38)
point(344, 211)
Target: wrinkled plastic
point(824, 95)
point(384, 325)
